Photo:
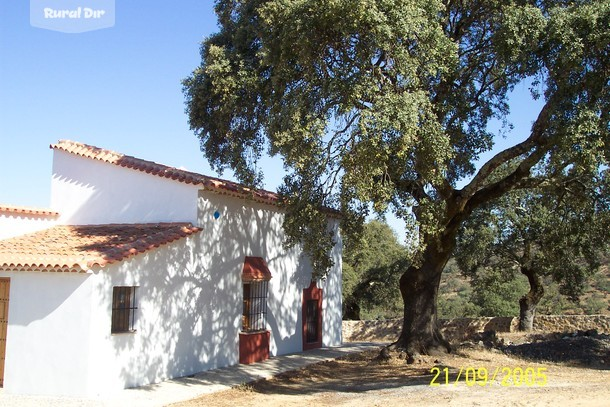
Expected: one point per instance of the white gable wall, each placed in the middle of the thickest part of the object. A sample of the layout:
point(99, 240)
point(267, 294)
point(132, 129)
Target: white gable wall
point(16, 224)
point(86, 192)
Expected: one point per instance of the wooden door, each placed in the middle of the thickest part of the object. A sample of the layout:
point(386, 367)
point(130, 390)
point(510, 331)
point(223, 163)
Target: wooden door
point(312, 317)
point(5, 288)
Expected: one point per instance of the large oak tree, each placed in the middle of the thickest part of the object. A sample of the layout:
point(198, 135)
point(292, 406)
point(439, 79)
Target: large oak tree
point(385, 105)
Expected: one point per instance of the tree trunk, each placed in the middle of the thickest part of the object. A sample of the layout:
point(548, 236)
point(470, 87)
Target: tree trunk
point(351, 310)
point(529, 302)
point(419, 289)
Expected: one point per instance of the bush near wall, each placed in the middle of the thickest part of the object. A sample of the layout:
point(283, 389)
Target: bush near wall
point(457, 328)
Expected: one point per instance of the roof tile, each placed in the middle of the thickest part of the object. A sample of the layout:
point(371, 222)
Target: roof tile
point(79, 248)
point(25, 210)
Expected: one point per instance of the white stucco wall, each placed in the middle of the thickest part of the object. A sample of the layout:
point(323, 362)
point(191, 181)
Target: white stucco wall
point(15, 224)
point(244, 228)
point(47, 346)
point(189, 291)
point(184, 322)
point(190, 299)
point(86, 191)
point(332, 304)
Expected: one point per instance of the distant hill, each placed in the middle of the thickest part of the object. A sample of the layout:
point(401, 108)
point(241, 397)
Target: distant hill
point(458, 299)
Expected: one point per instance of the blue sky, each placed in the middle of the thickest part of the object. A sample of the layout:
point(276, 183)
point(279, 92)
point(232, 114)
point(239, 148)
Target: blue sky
point(117, 88)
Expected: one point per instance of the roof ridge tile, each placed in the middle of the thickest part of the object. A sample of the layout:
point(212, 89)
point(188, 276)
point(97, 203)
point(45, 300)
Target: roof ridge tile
point(28, 210)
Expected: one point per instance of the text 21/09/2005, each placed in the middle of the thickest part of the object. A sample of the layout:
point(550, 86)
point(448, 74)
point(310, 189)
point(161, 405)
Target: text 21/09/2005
point(480, 376)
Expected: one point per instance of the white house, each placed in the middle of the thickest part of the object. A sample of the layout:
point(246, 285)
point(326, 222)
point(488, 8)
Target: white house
point(147, 272)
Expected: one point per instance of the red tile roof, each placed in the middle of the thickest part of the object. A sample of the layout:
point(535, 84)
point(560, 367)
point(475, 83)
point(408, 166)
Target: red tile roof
point(24, 210)
point(79, 248)
point(150, 167)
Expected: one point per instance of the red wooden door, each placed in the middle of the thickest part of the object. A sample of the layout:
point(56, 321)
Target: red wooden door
point(312, 317)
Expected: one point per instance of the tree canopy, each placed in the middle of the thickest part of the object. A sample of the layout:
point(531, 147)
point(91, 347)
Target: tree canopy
point(386, 104)
point(559, 231)
point(371, 272)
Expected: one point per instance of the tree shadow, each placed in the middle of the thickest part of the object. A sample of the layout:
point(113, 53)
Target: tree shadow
point(336, 376)
point(190, 298)
point(591, 352)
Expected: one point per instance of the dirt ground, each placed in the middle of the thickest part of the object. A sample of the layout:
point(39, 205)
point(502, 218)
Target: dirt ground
point(515, 370)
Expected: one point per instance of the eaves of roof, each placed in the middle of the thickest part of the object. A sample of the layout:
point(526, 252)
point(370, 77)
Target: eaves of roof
point(79, 248)
point(27, 211)
point(208, 183)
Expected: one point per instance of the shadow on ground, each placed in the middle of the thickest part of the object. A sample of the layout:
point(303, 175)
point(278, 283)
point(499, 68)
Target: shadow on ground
point(580, 349)
point(355, 373)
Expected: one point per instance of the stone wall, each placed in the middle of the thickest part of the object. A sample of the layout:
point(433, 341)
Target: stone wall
point(569, 323)
point(388, 330)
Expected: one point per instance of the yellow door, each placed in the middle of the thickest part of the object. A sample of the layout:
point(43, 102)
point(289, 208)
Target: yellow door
point(5, 285)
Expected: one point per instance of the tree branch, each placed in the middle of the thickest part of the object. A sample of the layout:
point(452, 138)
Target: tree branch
point(413, 188)
point(507, 183)
point(535, 141)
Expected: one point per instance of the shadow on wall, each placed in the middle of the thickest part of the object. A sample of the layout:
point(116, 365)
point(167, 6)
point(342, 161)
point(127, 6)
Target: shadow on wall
point(187, 317)
point(332, 285)
point(190, 295)
point(284, 305)
point(255, 229)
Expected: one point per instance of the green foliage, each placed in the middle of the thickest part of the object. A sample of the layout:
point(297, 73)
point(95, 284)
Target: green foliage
point(376, 293)
point(602, 282)
point(488, 293)
point(497, 294)
point(553, 302)
point(462, 297)
point(557, 230)
point(377, 246)
point(595, 304)
point(372, 265)
point(450, 307)
point(387, 101)
point(455, 292)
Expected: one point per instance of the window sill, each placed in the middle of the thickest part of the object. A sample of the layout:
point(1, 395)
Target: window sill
point(257, 332)
point(123, 332)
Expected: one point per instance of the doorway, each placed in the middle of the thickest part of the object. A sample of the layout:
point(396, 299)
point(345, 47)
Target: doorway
point(312, 317)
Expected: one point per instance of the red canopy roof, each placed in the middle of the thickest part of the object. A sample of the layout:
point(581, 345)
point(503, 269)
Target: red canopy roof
point(255, 269)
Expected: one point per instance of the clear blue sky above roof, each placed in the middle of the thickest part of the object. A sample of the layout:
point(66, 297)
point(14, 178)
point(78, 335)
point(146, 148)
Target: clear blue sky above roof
point(117, 88)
